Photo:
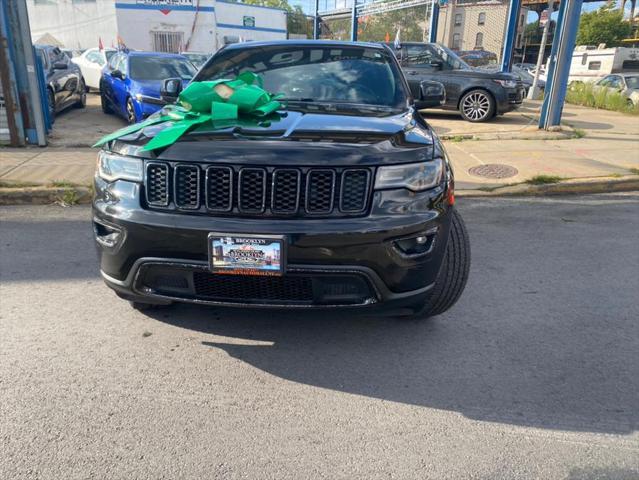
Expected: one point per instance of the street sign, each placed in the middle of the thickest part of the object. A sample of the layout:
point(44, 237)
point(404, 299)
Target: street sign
point(248, 21)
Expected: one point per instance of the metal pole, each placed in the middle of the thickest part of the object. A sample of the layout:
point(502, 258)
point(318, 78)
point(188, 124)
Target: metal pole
point(534, 90)
point(434, 19)
point(354, 22)
point(511, 32)
point(26, 79)
point(316, 26)
point(560, 59)
point(8, 83)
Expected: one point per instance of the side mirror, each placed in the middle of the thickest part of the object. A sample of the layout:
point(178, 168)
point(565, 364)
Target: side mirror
point(431, 94)
point(171, 88)
point(117, 74)
point(60, 66)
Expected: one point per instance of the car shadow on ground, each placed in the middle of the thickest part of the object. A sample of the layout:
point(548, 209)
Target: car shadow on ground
point(453, 362)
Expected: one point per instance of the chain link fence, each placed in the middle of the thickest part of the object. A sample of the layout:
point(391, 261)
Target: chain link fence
point(474, 29)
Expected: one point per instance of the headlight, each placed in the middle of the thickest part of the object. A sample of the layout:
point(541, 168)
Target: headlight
point(507, 83)
point(113, 167)
point(413, 176)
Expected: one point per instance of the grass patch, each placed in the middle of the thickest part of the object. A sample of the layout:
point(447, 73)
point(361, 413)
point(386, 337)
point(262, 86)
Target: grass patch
point(579, 133)
point(588, 95)
point(544, 179)
point(457, 139)
point(62, 184)
point(634, 171)
point(11, 184)
point(69, 197)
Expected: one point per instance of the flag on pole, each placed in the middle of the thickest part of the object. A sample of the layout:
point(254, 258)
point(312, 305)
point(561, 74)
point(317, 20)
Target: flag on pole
point(100, 45)
point(397, 43)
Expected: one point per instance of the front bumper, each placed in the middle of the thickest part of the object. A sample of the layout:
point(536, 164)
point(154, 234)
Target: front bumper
point(511, 99)
point(331, 262)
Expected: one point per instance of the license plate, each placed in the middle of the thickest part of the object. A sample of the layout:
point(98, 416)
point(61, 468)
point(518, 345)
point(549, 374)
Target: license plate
point(246, 254)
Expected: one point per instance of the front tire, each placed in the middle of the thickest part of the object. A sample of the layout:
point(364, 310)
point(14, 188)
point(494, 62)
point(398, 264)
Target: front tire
point(130, 112)
point(82, 102)
point(51, 105)
point(453, 274)
point(104, 103)
point(477, 106)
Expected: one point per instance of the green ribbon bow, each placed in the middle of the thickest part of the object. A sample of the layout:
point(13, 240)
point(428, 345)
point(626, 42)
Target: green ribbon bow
point(224, 103)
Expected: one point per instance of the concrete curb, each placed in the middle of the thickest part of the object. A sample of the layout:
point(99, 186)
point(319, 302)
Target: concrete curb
point(82, 195)
point(626, 183)
point(45, 195)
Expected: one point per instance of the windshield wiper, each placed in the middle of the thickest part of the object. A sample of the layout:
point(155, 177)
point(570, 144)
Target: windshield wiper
point(305, 100)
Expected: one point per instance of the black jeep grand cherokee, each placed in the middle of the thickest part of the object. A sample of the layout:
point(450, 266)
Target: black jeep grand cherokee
point(345, 201)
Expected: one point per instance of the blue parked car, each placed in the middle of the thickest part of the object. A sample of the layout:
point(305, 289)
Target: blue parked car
point(131, 82)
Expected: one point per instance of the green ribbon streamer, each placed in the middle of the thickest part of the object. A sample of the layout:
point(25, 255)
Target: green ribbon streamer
point(223, 103)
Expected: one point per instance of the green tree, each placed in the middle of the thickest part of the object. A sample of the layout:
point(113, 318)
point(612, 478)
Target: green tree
point(296, 21)
point(604, 25)
point(533, 32)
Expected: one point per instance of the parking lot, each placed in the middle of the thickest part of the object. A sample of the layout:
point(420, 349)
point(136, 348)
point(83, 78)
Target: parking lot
point(533, 374)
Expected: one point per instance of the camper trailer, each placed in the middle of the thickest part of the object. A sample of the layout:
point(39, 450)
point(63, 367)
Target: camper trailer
point(590, 64)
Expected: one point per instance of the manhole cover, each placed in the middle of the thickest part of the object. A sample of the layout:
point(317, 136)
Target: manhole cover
point(494, 170)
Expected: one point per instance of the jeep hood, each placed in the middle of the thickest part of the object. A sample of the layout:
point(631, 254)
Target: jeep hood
point(302, 138)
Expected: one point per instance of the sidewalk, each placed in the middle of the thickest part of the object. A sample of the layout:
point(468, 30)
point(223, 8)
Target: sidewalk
point(609, 148)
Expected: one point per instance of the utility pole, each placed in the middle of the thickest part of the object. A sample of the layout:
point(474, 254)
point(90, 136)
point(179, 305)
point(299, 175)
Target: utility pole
point(316, 23)
point(534, 90)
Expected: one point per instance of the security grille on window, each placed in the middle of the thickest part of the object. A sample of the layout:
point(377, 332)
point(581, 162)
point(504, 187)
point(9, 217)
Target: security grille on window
point(594, 65)
point(169, 42)
point(479, 40)
point(458, 19)
point(482, 19)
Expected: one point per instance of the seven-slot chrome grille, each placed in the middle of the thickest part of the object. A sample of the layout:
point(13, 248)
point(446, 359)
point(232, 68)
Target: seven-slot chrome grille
point(272, 191)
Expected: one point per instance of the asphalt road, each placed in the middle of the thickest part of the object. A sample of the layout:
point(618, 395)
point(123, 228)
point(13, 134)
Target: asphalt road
point(533, 374)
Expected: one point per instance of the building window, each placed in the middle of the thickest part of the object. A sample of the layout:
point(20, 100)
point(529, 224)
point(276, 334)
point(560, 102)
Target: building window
point(482, 19)
point(584, 59)
point(479, 40)
point(456, 41)
point(458, 19)
point(521, 20)
point(594, 65)
point(630, 65)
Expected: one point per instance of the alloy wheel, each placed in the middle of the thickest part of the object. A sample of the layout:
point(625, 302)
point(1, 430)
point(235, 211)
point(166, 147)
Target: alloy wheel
point(476, 106)
point(130, 111)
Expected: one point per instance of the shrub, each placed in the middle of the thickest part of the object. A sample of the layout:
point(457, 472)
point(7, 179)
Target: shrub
point(588, 95)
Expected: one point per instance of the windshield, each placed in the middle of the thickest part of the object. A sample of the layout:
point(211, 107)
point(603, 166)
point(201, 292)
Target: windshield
point(109, 54)
point(197, 59)
point(159, 68)
point(633, 83)
point(340, 74)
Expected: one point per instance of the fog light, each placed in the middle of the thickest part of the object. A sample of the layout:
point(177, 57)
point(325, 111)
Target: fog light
point(106, 235)
point(417, 245)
